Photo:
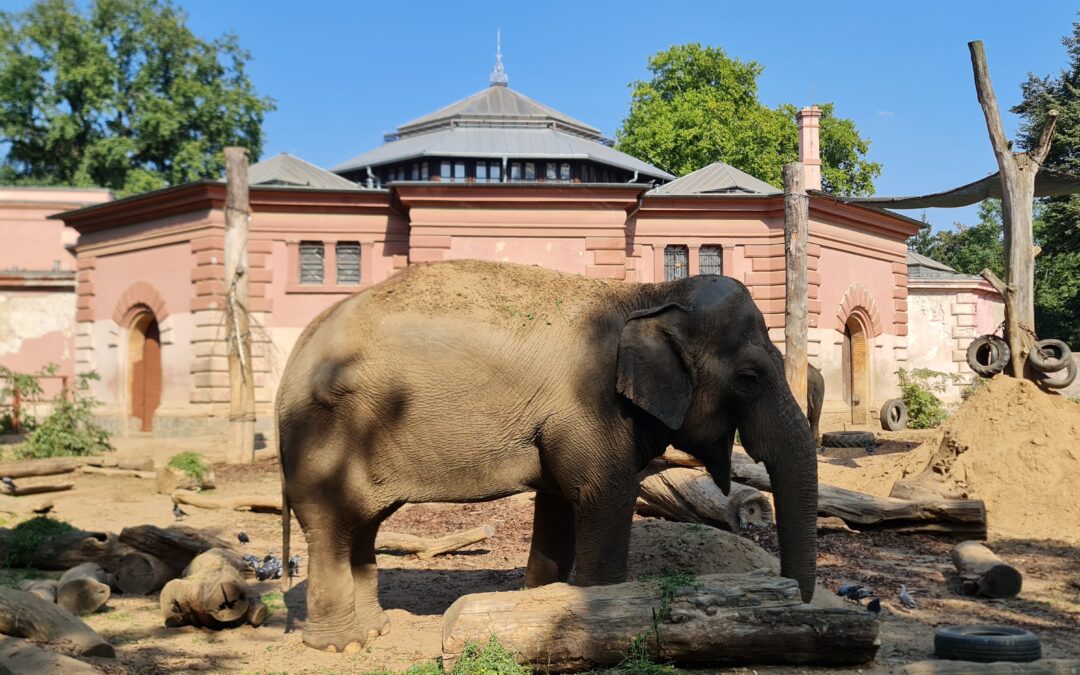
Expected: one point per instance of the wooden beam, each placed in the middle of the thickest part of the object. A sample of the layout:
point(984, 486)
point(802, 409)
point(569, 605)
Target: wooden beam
point(241, 448)
point(796, 233)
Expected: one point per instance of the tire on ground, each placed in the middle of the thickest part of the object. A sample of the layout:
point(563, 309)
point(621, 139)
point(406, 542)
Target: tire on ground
point(893, 415)
point(1050, 356)
point(847, 439)
point(988, 355)
point(985, 644)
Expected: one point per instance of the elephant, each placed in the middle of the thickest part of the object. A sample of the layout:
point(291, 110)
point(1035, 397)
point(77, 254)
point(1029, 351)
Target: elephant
point(815, 396)
point(465, 381)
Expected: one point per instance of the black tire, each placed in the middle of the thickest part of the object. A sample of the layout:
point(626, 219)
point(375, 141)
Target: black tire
point(893, 415)
point(985, 644)
point(848, 439)
point(988, 355)
point(1070, 375)
point(1050, 356)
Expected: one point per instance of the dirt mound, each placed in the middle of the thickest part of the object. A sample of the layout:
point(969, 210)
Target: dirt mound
point(1017, 448)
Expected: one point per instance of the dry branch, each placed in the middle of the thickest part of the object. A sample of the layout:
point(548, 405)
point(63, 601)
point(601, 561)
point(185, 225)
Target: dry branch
point(429, 548)
point(23, 490)
point(27, 616)
point(83, 589)
point(211, 594)
point(256, 503)
point(983, 573)
point(692, 496)
point(723, 618)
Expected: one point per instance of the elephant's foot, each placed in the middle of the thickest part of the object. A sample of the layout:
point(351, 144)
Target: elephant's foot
point(349, 636)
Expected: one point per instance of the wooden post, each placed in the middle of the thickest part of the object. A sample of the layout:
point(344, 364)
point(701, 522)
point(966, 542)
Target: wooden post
point(241, 448)
point(796, 228)
point(1018, 171)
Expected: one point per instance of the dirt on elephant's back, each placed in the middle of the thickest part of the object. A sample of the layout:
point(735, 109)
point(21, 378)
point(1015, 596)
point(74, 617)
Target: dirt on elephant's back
point(1017, 448)
point(502, 294)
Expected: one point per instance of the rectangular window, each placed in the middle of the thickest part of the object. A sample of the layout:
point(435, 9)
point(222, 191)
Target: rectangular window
point(423, 171)
point(515, 171)
point(415, 173)
point(495, 172)
point(676, 262)
point(530, 171)
point(311, 262)
point(348, 263)
point(459, 170)
point(481, 172)
point(564, 172)
point(444, 170)
point(551, 169)
point(711, 260)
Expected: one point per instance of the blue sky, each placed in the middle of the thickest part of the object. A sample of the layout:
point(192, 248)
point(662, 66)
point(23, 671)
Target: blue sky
point(345, 73)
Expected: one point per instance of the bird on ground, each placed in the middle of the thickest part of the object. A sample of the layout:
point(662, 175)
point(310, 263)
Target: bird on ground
point(44, 509)
point(852, 591)
point(251, 560)
point(270, 568)
point(294, 565)
point(243, 537)
point(874, 606)
point(905, 598)
point(6, 480)
point(178, 512)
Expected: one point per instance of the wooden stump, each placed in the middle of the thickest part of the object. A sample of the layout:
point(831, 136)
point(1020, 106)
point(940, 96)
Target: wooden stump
point(27, 616)
point(42, 588)
point(983, 573)
point(83, 589)
point(140, 573)
point(692, 496)
point(175, 546)
point(211, 594)
point(20, 656)
point(721, 619)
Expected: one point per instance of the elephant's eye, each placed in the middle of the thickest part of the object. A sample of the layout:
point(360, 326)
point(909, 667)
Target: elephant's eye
point(747, 380)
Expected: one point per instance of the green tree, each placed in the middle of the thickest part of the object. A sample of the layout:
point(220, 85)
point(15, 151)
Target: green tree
point(701, 106)
point(122, 96)
point(968, 249)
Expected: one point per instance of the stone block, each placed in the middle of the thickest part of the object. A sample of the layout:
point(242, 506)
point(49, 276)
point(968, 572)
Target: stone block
point(606, 272)
point(609, 257)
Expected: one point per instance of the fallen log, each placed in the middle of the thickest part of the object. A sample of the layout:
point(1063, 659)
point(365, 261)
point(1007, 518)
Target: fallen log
point(175, 546)
point(23, 490)
point(211, 594)
point(983, 573)
point(429, 548)
point(720, 619)
point(27, 616)
point(26, 468)
point(83, 589)
point(128, 463)
point(1040, 667)
point(116, 471)
point(76, 547)
point(42, 588)
point(256, 503)
point(691, 496)
point(863, 511)
point(140, 573)
point(20, 657)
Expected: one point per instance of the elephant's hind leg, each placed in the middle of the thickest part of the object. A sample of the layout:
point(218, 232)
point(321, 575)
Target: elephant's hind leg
point(332, 622)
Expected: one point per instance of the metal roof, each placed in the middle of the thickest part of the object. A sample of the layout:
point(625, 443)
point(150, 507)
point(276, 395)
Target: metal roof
point(511, 142)
point(497, 105)
point(921, 267)
point(285, 169)
point(716, 178)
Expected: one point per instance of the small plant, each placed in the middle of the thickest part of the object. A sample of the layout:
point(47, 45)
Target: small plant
point(669, 583)
point(70, 429)
point(918, 391)
point(275, 602)
point(28, 535)
point(489, 659)
point(191, 463)
point(26, 387)
point(638, 661)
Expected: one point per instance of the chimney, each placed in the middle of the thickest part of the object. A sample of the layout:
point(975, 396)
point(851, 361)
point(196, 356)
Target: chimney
point(809, 122)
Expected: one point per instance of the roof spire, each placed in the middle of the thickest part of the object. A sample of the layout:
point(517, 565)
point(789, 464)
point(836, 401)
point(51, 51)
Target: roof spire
point(499, 77)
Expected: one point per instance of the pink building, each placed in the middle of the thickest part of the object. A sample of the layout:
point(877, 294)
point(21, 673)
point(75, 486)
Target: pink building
point(496, 176)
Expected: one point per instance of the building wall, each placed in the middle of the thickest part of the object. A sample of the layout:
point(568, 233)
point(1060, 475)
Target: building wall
point(37, 328)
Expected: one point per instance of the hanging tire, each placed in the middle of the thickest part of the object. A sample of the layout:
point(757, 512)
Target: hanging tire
point(1048, 382)
point(986, 644)
point(893, 415)
point(1050, 356)
point(848, 439)
point(988, 355)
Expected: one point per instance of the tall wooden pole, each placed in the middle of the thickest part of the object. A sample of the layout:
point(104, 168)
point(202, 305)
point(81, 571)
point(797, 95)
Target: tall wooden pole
point(796, 231)
point(1018, 171)
point(241, 376)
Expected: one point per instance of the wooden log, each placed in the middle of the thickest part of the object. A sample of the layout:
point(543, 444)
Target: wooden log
point(256, 503)
point(1040, 667)
point(692, 496)
point(128, 463)
point(429, 548)
point(241, 443)
point(721, 619)
point(20, 657)
point(27, 616)
point(140, 573)
point(73, 548)
point(796, 296)
point(23, 490)
point(116, 471)
point(25, 468)
point(211, 594)
point(83, 589)
point(983, 573)
point(42, 588)
point(175, 546)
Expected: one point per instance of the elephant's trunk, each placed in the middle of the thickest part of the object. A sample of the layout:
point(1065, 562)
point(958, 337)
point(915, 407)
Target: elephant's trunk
point(788, 452)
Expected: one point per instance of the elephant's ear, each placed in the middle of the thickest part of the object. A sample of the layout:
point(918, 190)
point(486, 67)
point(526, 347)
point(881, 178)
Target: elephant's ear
point(652, 371)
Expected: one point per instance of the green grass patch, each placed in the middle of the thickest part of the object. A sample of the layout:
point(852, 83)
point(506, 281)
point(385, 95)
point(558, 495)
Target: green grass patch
point(28, 535)
point(275, 601)
point(191, 463)
point(638, 661)
point(490, 659)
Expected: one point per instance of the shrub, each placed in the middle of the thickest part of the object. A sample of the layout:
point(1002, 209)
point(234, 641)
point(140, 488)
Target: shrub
point(489, 659)
point(70, 429)
point(191, 463)
point(917, 391)
point(969, 391)
point(29, 390)
point(28, 535)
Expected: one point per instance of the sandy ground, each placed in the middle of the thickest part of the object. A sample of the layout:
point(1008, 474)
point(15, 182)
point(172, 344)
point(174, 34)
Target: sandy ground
point(415, 592)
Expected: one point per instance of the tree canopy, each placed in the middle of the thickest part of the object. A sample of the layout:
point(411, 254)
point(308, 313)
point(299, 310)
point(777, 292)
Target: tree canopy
point(701, 106)
point(122, 96)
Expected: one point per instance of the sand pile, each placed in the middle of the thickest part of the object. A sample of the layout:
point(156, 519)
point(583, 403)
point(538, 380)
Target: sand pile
point(1018, 449)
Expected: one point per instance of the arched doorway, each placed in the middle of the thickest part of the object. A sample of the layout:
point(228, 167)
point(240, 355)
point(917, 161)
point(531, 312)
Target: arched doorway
point(144, 369)
point(856, 369)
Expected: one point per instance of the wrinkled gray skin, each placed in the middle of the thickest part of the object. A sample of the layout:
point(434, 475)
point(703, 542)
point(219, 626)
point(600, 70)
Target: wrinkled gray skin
point(815, 395)
point(377, 409)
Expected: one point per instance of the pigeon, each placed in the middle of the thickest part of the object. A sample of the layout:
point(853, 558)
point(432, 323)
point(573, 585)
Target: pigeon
point(847, 589)
point(242, 537)
point(874, 606)
point(44, 509)
point(252, 561)
point(178, 512)
point(270, 568)
point(6, 480)
point(905, 598)
point(294, 565)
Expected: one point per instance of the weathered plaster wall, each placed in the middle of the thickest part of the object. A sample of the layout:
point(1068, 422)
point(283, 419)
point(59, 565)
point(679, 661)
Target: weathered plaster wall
point(37, 327)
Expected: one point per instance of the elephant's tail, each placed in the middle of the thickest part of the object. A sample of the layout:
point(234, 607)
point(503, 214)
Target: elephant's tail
point(286, 526)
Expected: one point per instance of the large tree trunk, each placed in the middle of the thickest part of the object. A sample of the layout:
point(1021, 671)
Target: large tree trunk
point(796, 296)
point(983, 573)
point(212, 594)
point(692, 496)
point(175, 546)
point(241, 448)
point(83, 589)
point(69, 549)
point(140, 573)
point(27, 616)
point(721, 619)
point(19, 657)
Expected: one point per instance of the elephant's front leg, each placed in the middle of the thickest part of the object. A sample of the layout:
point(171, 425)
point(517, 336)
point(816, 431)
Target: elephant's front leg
point(602, 536)
point(552, 554)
